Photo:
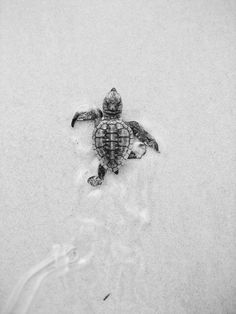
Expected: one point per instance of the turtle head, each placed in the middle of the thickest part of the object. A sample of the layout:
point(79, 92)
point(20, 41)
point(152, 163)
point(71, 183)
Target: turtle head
point(112, 105)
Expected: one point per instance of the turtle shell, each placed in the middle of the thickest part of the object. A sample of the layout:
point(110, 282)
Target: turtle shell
point(112, 142)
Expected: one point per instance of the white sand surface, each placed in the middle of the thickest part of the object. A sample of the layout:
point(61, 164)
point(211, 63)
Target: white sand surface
point(165, 238)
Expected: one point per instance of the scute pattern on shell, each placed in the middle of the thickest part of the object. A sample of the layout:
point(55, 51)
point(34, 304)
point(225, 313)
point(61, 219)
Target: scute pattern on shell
point(112, 142)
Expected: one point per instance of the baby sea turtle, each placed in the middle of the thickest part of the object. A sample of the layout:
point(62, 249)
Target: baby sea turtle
point(112, 137)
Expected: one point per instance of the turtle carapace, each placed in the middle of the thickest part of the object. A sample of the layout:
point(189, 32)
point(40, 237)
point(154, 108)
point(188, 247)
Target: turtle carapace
point(112, 137)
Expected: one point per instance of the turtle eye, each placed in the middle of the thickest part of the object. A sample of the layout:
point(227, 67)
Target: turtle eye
point(106, 104)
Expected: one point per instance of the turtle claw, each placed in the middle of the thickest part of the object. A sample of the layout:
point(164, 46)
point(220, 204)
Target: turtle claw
point(94, 181)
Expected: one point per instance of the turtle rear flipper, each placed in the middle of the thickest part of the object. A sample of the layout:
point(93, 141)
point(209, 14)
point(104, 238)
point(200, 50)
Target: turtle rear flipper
point(97, 180)
point(138, 152)
point(143, 135)
point(94, 181)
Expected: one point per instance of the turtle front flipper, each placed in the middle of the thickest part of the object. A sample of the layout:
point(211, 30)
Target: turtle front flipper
point(86, 115)
point(97, 180)
point(143, 135)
